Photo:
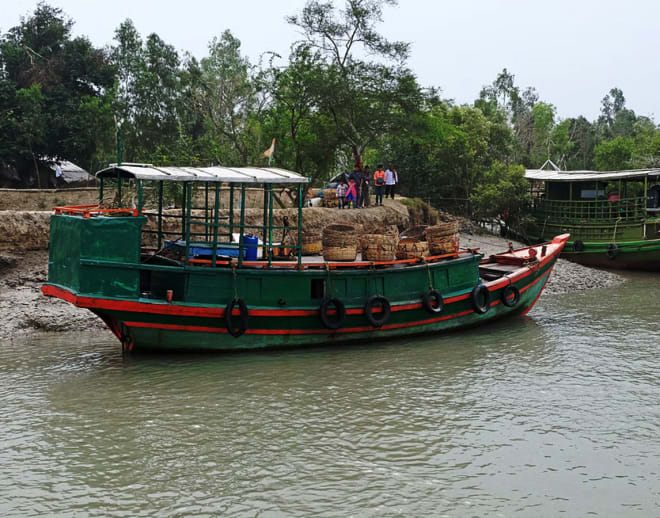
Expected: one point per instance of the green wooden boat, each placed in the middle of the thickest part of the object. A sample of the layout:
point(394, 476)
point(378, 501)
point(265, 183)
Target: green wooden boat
point(207, 291)
point(613, 217)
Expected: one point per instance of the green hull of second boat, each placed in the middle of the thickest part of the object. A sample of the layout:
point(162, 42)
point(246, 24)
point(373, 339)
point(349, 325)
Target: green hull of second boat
point(631, 255)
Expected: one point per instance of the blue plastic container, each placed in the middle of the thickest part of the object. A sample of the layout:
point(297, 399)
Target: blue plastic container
point(251, 251)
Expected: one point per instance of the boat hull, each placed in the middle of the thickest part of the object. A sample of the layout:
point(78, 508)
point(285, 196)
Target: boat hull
point(148, 325)
point(631, 255)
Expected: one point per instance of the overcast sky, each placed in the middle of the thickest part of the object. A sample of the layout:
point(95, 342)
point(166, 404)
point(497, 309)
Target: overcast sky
point(572, 51)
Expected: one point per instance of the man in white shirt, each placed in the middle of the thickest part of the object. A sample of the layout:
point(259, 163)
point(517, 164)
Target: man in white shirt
point(391, 179)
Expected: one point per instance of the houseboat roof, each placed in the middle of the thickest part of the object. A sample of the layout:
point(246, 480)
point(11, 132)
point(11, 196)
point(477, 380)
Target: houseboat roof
point(203, 174)
point(588, 176)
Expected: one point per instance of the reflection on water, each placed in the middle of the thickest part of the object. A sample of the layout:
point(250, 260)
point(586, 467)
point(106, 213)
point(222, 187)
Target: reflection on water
point(553, 413)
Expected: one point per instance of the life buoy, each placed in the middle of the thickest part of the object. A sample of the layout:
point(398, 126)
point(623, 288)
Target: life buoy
point(375, 300)
point(612, 250)
point(507, 292)
point(433, 302)
point(244, 314)
point(578, 246)
point(340, 310)
point(480, 292)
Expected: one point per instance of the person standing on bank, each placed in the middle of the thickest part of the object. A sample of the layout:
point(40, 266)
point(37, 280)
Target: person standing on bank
point(356, 176)
point(389, 182)
point(379, 182)
point(395, 174)
point(366, 178)
point(342, 189)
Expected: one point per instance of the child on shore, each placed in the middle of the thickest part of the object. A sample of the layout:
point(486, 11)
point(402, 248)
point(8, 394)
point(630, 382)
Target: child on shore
point(351, 194)
point(342, 188)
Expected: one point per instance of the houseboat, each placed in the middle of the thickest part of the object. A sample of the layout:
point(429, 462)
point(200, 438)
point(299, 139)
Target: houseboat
point(613, 217)
point(203, 277)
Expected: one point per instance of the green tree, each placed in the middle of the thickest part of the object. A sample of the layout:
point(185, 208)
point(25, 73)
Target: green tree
point(615, 154)
point(365, 99)
point(503, 193)
point(40, 52)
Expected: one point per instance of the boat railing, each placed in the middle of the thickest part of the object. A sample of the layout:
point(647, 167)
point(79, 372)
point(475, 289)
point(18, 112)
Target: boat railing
point(590, 211)
point(88, 211)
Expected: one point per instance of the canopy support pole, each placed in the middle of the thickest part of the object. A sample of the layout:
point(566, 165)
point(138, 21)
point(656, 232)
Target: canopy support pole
point(241, 246)
point(183, 209)
point(231, 212)
point(206, 211)
point(270, 225)
point(188, 189)
point(216, 210)
point(160, 214)
point(139, 200)
point(299, 240)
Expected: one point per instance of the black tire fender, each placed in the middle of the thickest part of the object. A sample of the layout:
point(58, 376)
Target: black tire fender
point(612, 250)
point(578, 246)
point(339, 308)
point(244, 315)
point(480, 291)
point(369, 310)
point(433, 302)
point(507, 292)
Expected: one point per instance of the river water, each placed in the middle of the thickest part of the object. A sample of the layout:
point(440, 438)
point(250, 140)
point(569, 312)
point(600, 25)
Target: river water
point(554, 413)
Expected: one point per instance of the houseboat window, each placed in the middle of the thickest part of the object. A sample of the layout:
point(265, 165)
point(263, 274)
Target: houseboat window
point(592, 194)
point(318, 288)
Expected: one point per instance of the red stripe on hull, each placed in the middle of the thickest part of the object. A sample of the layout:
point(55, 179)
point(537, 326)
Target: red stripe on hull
point(362, 329)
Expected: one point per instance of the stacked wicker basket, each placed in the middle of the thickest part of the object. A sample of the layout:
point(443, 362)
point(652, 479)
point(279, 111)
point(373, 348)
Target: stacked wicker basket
point(412, 248)
point(422, 240)
point(340, 243)
point(443, 238)
point(312, 243)
point(330, 198)
point(379, 247)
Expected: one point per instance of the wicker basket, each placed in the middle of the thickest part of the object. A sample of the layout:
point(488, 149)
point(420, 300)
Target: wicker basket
point(340, 243)
point(330, 194)
point(330, 202)
point(338, 253)
point(418, 232)
point(390, 230)
point(312, 243)
point(379, 247)
point(446, 228)
point(440, 245)
point(411, 248)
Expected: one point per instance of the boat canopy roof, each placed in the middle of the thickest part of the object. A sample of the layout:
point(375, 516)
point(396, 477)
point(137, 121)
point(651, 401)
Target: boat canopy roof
point(588, 176)
point(202, 174)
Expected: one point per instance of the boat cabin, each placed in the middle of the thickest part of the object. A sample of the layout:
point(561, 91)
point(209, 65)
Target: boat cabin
point(609, 206)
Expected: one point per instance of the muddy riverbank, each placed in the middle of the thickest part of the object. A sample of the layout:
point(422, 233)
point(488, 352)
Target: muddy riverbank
point(24, 309)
